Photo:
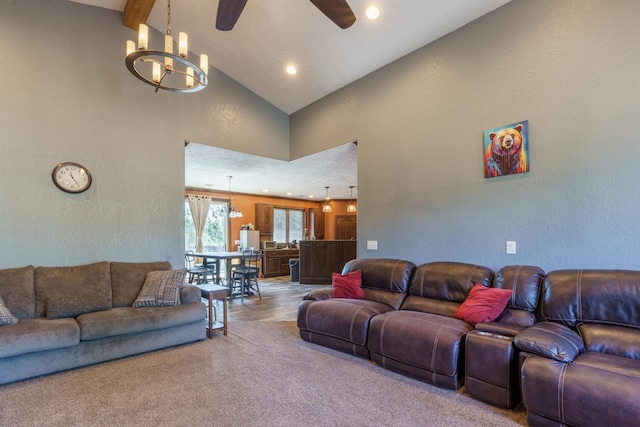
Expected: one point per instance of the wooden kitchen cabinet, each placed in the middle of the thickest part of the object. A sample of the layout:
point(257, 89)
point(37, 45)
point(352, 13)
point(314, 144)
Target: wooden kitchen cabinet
point(320, 258)
point(264, 219)
point(275, 262)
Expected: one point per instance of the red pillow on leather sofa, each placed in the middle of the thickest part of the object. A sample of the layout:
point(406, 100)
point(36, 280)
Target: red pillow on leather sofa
point(483, 304)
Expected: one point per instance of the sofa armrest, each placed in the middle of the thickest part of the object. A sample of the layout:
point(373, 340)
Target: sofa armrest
point(551, 340)
point(189, 293)
point(498, 328)
point(318, 294)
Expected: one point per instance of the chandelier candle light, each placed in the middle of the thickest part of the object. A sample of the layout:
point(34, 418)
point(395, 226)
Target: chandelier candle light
point(162, 68)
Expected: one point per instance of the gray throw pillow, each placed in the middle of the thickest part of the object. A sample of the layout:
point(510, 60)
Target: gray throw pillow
point(161, 288)
point(6, 318)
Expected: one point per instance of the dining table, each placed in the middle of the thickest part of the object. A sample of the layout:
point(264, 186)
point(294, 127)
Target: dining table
point(217, 257)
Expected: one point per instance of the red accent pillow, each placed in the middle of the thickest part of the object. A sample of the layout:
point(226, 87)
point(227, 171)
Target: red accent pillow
point(347, 285)
point(483, 304)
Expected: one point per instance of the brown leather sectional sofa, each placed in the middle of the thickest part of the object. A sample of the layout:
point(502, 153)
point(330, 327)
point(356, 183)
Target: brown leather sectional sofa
point(569, 341)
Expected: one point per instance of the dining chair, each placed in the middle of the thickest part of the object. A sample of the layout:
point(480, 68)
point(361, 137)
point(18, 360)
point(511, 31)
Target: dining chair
point(245, 274)
point(198, 271)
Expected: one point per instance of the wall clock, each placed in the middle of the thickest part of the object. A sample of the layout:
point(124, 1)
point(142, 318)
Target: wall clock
point(71, 177)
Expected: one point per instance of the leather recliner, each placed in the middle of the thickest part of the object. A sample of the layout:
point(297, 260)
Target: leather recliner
point(583, 364)
point(343, 324)
point(423, 339)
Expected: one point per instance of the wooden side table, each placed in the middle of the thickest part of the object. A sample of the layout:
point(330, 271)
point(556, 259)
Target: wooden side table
point(213, 293)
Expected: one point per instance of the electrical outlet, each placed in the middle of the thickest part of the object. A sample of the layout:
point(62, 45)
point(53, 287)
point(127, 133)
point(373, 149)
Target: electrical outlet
point(511, 247)
point(372, 245)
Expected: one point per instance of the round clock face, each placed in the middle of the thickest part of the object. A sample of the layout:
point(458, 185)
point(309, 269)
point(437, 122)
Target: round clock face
point(71, 177)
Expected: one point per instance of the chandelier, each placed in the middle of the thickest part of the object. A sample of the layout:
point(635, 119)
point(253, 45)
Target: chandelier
point(326, 207)
point(351, 207)
point(233, 213)
point(162, 68)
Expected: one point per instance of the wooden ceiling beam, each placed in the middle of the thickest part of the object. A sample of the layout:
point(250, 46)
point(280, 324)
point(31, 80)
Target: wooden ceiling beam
point(136, 12)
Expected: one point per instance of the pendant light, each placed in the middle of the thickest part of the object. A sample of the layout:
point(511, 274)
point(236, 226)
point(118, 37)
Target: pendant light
point(233, 213)
point(351, 207)
point(326, 207)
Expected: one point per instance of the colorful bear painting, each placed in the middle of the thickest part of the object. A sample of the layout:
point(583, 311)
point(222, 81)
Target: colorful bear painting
point(506, 150)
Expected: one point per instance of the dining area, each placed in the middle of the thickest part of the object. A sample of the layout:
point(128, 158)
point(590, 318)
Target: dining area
point(238, 271)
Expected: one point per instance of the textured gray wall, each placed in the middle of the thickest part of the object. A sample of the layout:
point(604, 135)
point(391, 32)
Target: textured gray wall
point(571, 67)
point(66, 95)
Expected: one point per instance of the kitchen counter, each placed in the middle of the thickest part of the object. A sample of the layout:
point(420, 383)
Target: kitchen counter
point(275, 262)
point(320, 258)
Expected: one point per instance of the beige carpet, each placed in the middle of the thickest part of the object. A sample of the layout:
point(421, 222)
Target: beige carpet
point(261, 374)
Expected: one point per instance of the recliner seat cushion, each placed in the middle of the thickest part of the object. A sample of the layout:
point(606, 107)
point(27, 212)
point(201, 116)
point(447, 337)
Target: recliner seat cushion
point(430, 342)
point(342, 318)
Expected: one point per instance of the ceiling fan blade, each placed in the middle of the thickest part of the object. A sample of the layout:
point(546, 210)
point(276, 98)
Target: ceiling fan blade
point(336, 10)
point(228, 13)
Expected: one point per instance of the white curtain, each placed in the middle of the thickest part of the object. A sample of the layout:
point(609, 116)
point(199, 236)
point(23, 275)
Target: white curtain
point(199, 206)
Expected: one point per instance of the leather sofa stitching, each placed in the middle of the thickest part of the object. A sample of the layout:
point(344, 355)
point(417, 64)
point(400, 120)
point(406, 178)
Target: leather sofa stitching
point(435, 349)
point(514, 286)
point(561, 392)
point(579, 295)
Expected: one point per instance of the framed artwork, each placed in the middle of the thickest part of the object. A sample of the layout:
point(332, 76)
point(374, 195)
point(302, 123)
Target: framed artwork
point(506, 150)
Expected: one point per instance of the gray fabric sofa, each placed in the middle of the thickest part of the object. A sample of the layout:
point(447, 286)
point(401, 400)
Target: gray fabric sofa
point(74, 316)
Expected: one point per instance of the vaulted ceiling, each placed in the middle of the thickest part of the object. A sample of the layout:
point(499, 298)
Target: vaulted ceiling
point(272, 34)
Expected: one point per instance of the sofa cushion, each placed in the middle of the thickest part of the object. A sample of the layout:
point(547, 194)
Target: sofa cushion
point(424, 345)
point(6, 318)
point(129, 320)
point(161, 288)
point(448, 281)
point(18, 290)
point(483, 304)
point(383, 280)
point(33, 335)
point(592, 296)
point(347, 285)
point(345, 319)
point(70, 291)
point(525, 281)
point(610, 339)
point(127, 279)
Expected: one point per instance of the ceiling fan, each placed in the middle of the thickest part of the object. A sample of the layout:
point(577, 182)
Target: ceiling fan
point(337, 10)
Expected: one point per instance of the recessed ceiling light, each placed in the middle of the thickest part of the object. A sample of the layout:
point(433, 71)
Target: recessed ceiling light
point(311, 196)
point(291, 70)
point(372, 12)
point(265, 190)
point(289, 193)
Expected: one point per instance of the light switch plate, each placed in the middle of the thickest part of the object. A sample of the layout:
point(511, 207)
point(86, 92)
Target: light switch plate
point(372, 245)
point(511, 247)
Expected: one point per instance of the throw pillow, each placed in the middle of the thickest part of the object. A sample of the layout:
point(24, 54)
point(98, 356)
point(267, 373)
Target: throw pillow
point(347, 285)
point(6, 318)
point(483, 304)
point(160, 288)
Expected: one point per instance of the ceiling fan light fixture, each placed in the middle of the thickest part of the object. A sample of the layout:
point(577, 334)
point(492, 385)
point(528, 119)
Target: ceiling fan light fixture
point(372, 12)
point(163, 69)
point(291, 70)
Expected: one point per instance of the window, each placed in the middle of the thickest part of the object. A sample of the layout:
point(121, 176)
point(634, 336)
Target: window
point(288, 225)
point(215, 233)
